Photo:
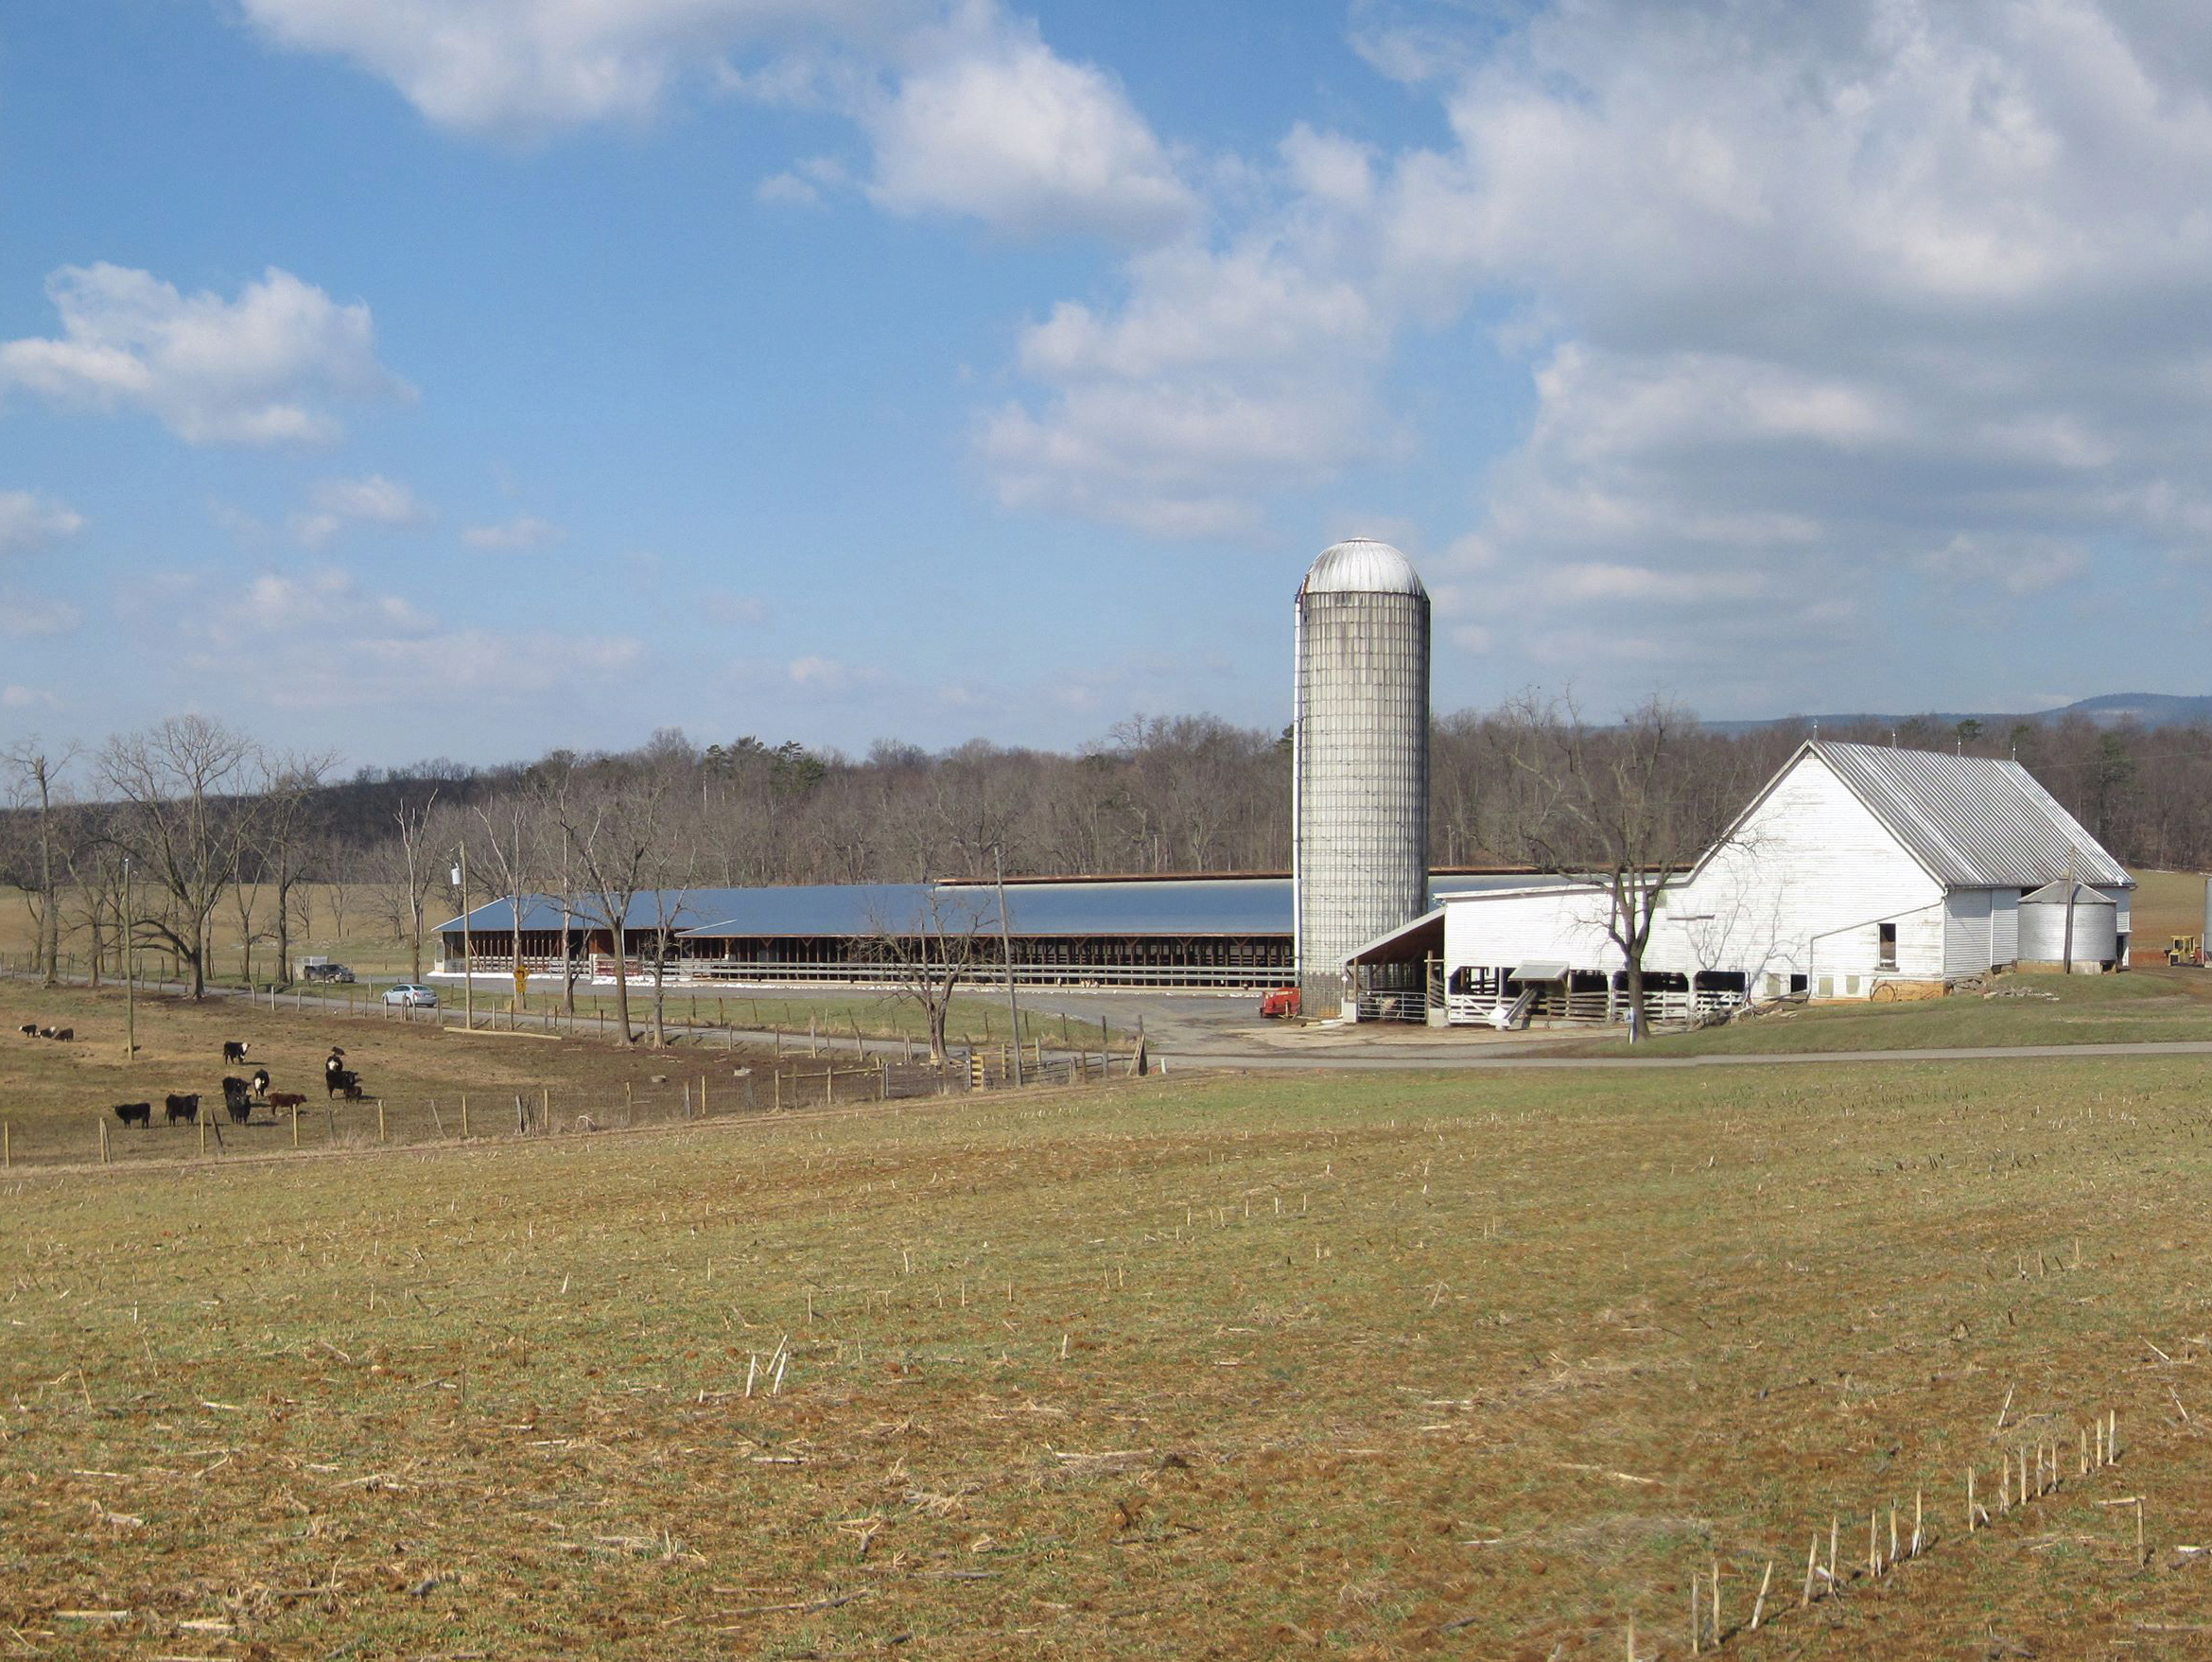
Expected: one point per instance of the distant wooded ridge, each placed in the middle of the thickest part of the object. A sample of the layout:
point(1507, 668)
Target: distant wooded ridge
point(209, 817)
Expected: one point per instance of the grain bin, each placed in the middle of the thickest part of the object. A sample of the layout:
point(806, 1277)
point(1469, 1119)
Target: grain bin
point(2043, 927)
point(1360, 759)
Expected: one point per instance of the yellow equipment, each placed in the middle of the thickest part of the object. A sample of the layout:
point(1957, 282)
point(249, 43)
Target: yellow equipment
point(2187, 948)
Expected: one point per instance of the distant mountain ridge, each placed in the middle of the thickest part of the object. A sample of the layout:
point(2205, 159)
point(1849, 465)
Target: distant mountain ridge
point(2107, 709)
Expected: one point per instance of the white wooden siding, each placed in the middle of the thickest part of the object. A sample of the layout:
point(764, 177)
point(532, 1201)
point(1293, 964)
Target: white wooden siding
point(1501, 929)
point(1803, 888)
point(1966, 931)
point(2004, 926)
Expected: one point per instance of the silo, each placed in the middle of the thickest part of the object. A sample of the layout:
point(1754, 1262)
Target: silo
point(2043, 927)
point(1360, 759)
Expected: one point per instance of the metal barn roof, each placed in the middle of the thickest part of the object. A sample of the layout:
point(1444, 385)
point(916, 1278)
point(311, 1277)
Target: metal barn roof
point(1974, 822)
point(1161, 906)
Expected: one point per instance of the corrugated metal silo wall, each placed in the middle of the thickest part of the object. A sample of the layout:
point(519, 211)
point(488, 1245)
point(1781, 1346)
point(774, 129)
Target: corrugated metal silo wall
point(1360, 800)
point(2043, 933)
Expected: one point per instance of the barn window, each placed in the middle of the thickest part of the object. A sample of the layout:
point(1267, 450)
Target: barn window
point(1886, 946)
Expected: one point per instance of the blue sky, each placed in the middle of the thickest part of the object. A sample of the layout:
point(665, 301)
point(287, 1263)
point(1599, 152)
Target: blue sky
point(473, 377)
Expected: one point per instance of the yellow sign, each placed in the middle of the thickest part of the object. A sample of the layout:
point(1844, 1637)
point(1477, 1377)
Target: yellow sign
point(521, 980)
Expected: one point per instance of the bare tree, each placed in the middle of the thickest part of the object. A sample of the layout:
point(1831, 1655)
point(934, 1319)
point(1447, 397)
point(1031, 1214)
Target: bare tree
point(1614, 807)
point(414, 867)
point(614, 823)
point(283, 828)
point(182, 824)
point(933, 948)
point(37, 770)
point(505, 858)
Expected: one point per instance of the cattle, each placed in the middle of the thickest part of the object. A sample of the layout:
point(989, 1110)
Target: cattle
point(45, 1032)
point(240, 1109)
point(65, 1034)
point(234, 1051)
point(352, 1089)
point(134, 1113)
point(184, 1108)
point(283, 1099)
point(342, 1079)
point(237, 1099)
point(30, 1029)
point(260, 1081)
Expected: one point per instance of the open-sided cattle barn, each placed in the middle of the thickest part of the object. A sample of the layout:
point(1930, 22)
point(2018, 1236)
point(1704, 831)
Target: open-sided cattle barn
point(1194, 934)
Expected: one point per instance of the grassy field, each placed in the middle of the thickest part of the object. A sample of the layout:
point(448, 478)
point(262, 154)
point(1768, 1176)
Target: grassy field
point(1196, 1367)
point(2143, 1004)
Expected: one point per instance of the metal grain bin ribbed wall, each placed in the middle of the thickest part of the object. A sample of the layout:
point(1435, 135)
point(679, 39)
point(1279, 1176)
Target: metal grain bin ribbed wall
point(1360, 769)
point(2042, 926)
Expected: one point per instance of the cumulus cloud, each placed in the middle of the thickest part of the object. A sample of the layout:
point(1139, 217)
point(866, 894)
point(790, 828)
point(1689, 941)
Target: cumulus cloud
point(989, 121)
point(335, 503)
point(1805, 296)
point(967, 108)
point(29, 521)
point(394, 648)
point(266, 368)
point(525, 530)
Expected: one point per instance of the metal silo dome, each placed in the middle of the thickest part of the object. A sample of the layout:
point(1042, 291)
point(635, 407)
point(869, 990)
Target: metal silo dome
point(1360, 761)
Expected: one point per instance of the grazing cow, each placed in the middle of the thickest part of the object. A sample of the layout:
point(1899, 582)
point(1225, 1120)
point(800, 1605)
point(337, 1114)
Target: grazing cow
point(65, 1034)
point(30, 1029)
point(45, 1032)
point(134, 1113)
point(184, 1108)
point(338, 1079)
point(261, 1082)
point(284, 1099)
point(234, 1051)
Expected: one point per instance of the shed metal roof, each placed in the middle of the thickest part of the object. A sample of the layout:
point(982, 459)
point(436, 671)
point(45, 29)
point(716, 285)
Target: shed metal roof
point(1974, 821)
point(2054, 893)
point(1167, 906)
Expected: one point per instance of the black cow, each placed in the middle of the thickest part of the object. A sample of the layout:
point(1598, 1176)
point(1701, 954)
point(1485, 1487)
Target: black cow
point(184, 1108)
point(342, 1079)
point(234, 1051)
point(65, 1034)
point(134, 1113)
point(261, 1082)
point(352, 1089)
point(240, 1109)
point(237, 1099)
point(30, 1029)
point(45, 1032)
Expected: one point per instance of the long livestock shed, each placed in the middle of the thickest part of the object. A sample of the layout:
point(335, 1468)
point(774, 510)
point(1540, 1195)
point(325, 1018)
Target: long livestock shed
point(1208, 932)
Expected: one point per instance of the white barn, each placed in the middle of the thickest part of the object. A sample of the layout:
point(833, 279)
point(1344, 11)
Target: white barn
point(1860, 871)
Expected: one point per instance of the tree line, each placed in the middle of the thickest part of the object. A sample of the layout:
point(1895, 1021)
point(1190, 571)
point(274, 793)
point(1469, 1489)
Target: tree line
point(201, 823)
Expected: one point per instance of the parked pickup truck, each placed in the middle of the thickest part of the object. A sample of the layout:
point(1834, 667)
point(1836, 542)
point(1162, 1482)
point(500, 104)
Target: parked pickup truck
point(323, 970)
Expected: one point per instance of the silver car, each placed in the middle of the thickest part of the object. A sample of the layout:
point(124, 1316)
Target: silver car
point(412, 994)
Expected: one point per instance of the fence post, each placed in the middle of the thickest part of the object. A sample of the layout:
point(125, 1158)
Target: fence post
point(295, 1127)
point(380, 1137)
point(7, 1143)
point(465, 1117)
point(702, 1095)
point(202, 1122)
point(545, 1110)
point(103, 1126)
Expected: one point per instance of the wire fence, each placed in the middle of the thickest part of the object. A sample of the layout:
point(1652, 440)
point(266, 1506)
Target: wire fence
point(215, 1131)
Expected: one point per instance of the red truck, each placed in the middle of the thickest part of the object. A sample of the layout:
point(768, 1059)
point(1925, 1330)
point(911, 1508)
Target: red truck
point(1282, 1001)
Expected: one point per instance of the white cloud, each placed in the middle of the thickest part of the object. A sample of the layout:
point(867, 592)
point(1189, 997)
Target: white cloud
point(266, 368)
point(392, 648)
point(370, 501)
point(29, 521)
point(989, 122)
point(967, 110)
point(14, 697)
point(525, 530)
point(28, 615)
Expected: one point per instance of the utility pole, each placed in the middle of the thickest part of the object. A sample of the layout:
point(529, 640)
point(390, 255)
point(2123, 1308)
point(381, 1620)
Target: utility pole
point(2067, 954)
point(468, 978)
point(1006, 951)
point(130, 972)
